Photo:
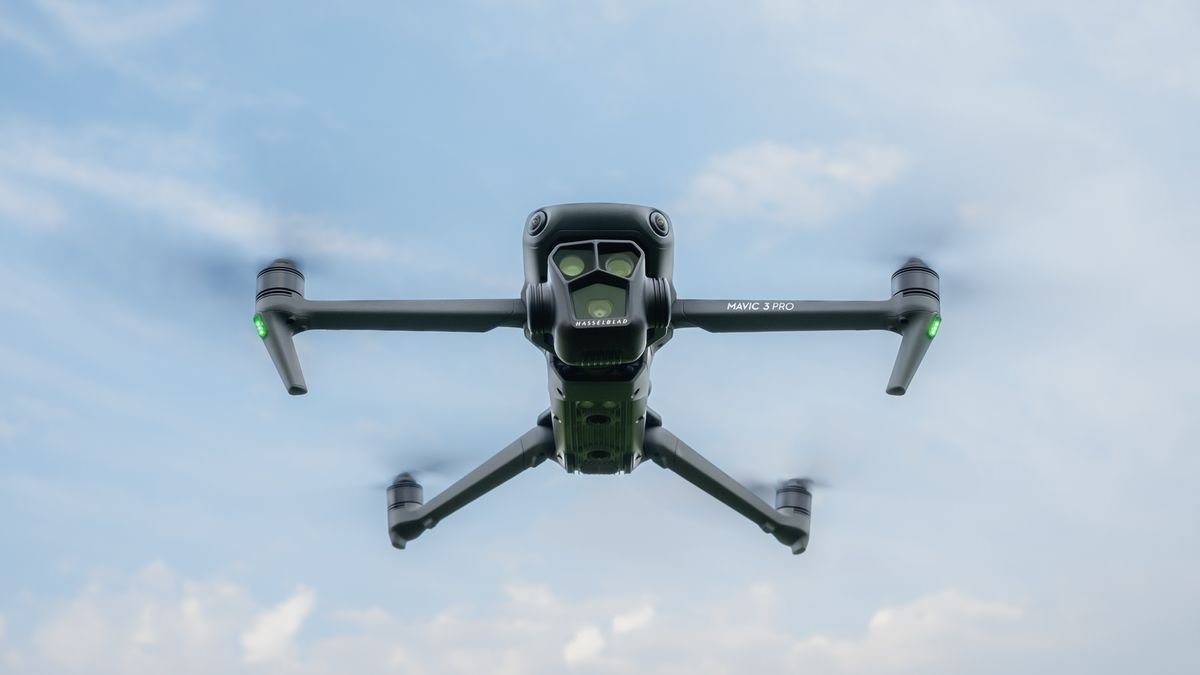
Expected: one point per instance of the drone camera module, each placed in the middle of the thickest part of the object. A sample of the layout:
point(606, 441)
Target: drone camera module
point(599, 316)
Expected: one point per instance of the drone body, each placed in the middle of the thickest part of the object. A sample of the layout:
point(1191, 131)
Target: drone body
point(598, 301)
point(611, 266)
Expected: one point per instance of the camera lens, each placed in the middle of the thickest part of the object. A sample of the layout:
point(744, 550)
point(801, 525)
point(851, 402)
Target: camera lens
point(599, 301)
point(571, 266)
point(599, 309)
point(620, 264)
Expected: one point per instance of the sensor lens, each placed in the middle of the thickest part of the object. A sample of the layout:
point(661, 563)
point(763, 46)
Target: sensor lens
point(599, 309)
point(571, 266)
point(599, 301)
point(620, 264)
point(934, 324)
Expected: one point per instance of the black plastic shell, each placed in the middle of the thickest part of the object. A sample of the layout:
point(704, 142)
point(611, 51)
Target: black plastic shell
point(582, 341)
point(577, 222)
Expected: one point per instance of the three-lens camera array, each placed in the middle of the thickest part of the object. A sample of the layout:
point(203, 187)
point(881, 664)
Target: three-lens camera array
point(598, 300)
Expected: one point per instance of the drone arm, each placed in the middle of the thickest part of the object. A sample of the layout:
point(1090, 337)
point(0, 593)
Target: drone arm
point(666, 450)
point(918, 330)
point(750, 316)
point(406, 524)
point(915, 317)
point(279, 317)
point(277, 336)
point(462, 316)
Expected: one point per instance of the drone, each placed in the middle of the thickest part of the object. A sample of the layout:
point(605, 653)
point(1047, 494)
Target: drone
point(599, 302)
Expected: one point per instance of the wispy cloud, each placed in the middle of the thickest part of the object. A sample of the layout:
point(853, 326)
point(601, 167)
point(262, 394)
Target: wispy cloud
point(119, 36)
point(128, 625)
point(635, 619)
point(27, 207)
point(120, 25)
point(776, 184)
point(23, 38)
point(932, 631)
point(179, 202)
point(156, 622)
point(271, 636)
point(533, 595)
point(584, 646)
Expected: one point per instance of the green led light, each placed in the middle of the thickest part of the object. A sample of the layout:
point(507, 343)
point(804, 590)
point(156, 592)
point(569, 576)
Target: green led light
point(260, 326)
point(934, 324)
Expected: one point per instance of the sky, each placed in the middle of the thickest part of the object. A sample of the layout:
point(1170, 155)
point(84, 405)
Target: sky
point(1029, 506)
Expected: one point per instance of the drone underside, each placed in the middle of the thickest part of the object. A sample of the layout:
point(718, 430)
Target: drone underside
point(599, 301)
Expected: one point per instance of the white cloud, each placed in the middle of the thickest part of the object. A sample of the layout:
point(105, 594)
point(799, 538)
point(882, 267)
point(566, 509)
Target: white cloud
point(116, 35)
point(271, 636)
point(22, 38)
point(585, 645)
point(177, 201)
point(372, 617)
point(151, 622)
point(634, 619)
point(154, 622)
point(154, 181)
point(932, 631)
point(27, 207)
point(770, 183)
point(533, 595)
point(123, 24)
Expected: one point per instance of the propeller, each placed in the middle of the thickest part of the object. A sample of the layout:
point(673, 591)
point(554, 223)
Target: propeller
point(766, 488)
point(815, 470)
point(428, 465)
point(229, 274)
point(247, 231)
point(407, 486)
point(757, 486)
point(955, 243)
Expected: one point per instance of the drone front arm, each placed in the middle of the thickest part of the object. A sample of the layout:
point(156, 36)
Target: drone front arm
point(281, 311)
point(278, 318)
point(750, 316)
point(456, 316)
point(916, 317)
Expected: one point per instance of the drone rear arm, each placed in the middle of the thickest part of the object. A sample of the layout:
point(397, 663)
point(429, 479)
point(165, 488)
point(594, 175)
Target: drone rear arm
point(665, 449)
point(407, 521)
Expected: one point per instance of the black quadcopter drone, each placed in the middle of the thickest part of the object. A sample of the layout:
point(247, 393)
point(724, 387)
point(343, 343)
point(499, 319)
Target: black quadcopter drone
point(599, 302)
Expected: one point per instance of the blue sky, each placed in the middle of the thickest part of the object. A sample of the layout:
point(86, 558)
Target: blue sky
point(1028, 506)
